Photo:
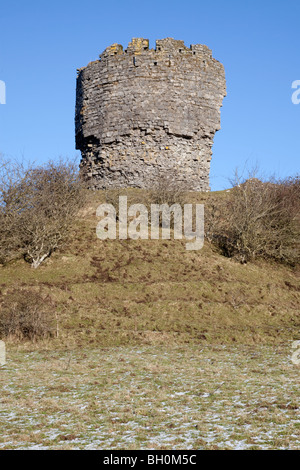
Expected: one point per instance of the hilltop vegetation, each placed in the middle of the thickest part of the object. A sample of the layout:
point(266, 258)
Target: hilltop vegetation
point(141, 344)
point(129, 292)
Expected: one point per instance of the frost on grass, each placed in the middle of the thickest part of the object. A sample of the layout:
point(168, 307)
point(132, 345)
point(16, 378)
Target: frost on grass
point(151, 398)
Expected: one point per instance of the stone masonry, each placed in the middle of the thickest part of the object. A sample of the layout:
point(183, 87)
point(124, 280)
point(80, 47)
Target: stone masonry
point(141, 112)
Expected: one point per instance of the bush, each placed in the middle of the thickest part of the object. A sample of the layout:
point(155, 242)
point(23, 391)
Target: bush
point(168, 189)
point(37, 207)
point(25, 315)
point(257, 220)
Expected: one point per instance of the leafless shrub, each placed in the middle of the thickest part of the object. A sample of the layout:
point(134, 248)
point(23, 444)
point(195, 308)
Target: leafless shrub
point(11, 173)
point(26, 315)
point(112, 197)
point(168, 189)
point(257, 219)
point(37, 207)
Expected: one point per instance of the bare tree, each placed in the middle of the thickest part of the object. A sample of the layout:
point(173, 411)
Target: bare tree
point(11, 173)
point(257, 219)
point(37, 206)
point(169, 188)
point(27, 314)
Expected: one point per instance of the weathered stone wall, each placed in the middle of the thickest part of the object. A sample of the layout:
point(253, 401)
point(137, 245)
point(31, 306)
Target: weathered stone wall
point(140, 112)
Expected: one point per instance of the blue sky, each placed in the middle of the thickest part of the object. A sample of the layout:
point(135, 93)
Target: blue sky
point(43, 43)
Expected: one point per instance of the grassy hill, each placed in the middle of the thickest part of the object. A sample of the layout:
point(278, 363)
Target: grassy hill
point(153, 347)
point(152, 292)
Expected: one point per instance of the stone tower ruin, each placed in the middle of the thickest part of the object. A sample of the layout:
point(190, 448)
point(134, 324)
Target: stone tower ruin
point(141, 112)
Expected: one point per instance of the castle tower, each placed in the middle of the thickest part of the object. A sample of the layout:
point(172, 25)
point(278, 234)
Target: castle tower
point(142, 111)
